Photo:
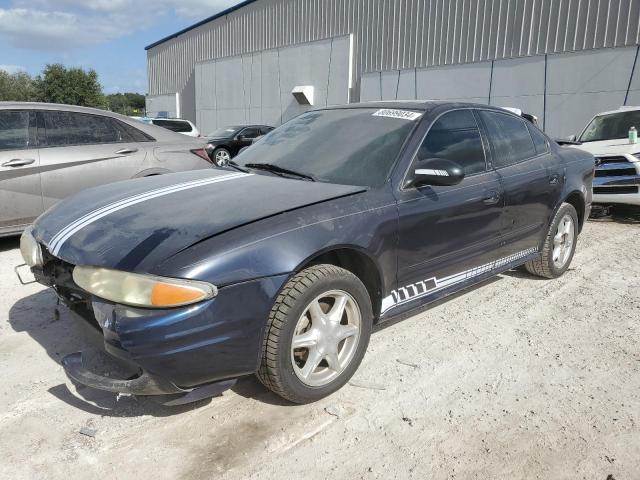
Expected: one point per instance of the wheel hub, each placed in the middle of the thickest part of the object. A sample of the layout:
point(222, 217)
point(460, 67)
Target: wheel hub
point(326, 338)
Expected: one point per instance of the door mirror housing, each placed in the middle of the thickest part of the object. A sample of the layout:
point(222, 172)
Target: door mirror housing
point(437, 172)
point(572, 138)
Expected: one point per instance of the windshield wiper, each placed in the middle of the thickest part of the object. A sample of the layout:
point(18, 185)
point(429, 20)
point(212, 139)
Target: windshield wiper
point(233, 164)
point(269, 167)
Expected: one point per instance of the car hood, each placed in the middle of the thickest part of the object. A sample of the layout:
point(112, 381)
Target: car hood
point(218, 139)
point(620, 146)
point(136, 224)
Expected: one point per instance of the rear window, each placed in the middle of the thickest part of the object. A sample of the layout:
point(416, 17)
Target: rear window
point(72, 128)
point(174, 125)
point(509, 137)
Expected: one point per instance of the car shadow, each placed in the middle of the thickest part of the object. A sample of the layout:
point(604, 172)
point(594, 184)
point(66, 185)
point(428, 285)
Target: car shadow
point(9, 243)
point(67, 333)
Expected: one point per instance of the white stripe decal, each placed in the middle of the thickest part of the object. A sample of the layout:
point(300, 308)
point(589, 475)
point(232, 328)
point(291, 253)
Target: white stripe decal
point(402, 296)
point(61, 237)
point(167, 189)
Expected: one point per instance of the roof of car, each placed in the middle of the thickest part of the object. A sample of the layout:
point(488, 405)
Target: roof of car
point(54, 106)
point(422, 105)
point(620, 110)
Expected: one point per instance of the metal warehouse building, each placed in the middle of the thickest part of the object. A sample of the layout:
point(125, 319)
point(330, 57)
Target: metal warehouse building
point(264, 61)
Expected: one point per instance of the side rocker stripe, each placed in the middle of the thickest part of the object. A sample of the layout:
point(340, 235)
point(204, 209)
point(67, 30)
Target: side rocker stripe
point(61, 237)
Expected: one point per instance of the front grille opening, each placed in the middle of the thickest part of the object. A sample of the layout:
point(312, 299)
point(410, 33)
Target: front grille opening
point(618, 172)
point(615, 190)
point(605, 160)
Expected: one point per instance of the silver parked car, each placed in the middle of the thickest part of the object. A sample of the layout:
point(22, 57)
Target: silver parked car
point(50, 151)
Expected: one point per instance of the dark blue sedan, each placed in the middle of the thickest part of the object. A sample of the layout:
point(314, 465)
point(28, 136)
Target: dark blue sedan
point(280, 264)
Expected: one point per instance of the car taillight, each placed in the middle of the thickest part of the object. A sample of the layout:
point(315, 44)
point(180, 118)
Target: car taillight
point(202, 153)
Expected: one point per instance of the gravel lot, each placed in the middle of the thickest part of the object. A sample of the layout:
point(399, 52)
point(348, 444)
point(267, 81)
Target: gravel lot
point(520, 378)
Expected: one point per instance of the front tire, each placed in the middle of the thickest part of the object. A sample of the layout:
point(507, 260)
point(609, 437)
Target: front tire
point(221, 157)
point(559, 245)
point(316, 335)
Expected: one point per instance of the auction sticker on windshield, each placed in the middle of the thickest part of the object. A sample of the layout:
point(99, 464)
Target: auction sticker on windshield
point(402, 114)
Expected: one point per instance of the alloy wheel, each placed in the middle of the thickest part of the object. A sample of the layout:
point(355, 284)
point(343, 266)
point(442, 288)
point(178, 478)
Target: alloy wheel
point(563, 241)
point(326, 337)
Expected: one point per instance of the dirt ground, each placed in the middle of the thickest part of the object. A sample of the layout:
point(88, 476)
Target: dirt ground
point(519, 378)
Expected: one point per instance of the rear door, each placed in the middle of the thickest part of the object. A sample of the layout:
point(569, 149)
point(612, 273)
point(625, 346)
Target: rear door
point(447, 234)
point(531, 179)
point(84, 150)
point(20, 194)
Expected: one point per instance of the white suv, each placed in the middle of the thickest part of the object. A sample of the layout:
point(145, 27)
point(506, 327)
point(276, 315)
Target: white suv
point(177, 125)
point(606, 136)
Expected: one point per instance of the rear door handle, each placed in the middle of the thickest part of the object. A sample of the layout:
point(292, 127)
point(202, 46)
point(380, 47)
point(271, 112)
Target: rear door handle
point(126, 151)
point(18, 162)
point(492, 198)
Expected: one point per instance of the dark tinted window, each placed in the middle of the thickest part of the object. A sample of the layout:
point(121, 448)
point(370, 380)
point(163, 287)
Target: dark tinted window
point(70, 128)
point(14, 129)
point(266, 130)
point(250, 132)
point(174, 125)
point(455, 136)
point(539, 140)
point(133, 133)
point(351, 146)
point(509, 137)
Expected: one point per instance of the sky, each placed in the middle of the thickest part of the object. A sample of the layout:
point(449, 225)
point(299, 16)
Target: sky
point(106, 35)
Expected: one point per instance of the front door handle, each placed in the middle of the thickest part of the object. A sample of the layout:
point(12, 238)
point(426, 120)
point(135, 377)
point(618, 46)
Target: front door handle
point(492, 197)
point(126, 151)
point(18, 162)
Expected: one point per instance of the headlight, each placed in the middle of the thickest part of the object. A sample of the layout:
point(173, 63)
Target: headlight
point(141, 290)
point(637, 155)
point(30, 249)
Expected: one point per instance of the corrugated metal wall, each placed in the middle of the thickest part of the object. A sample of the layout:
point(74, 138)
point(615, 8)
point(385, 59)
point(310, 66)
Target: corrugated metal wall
point(401, 34)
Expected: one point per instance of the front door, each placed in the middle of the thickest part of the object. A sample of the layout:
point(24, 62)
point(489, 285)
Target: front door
point(20, 194)
point(448, 235)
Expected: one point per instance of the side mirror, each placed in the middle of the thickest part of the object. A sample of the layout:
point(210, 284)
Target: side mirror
point(241, 138)
point(438, 172)
point(572, 138)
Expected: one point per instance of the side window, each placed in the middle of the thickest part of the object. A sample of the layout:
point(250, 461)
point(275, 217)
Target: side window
point(71, 128)
point(539, 140)
point(266, 130)
point(133, 133)
point(174, 125)
point(250, 132)
point(455, 136)
point(14, 130)
point(509, 137)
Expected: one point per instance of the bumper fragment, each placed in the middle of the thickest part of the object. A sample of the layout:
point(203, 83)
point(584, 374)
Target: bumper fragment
point(145, 384)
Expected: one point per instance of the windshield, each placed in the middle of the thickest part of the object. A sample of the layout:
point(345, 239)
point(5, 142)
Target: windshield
point(611, 127)
point(224, 132)
point(355, 146)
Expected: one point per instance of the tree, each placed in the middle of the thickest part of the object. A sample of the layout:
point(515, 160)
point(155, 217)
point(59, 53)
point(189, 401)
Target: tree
point(126, 103)
point(16, 87)
point(73, 86)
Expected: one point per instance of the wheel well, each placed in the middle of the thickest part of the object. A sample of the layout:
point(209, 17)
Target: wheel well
point(360, 265)
point(576, 199)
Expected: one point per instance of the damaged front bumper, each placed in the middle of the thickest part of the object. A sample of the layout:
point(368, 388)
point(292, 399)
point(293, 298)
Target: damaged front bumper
point(184, 353)
point(143, 384)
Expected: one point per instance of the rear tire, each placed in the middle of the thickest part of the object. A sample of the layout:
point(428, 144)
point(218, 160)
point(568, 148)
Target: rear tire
point(559, 245)
point(326, 311)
